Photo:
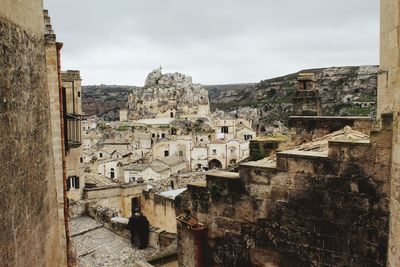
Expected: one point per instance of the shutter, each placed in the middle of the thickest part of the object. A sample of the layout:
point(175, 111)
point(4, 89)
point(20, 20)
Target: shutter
point(68, 184)
point(76, 182)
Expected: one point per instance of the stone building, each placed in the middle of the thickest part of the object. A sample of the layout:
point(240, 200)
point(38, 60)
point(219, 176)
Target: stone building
point(332, 199)
point(307, 122)
point(72, 91)
point(33, 227)
point(324, 202)
point(306, 101)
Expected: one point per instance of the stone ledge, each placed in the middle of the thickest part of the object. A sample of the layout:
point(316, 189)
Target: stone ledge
point(349, 143)
point(302, 154)
point(223, 175)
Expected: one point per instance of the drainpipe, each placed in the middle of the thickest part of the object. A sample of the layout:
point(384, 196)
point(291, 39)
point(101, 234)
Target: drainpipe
point(70, 260)
point(199, 231)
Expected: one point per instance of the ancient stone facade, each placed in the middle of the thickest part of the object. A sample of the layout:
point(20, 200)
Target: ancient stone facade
point(324, 204)
point(306, 128)
point(389, 101)
point(31, 224)
point(306, 101)
point(168, 96)
point(72, 97)
point(159, 210)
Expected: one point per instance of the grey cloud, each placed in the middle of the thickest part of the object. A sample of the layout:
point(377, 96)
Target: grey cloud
point(222, 41)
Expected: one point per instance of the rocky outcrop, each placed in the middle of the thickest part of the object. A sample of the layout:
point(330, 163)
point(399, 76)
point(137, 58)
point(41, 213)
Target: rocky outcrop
point(168, 95)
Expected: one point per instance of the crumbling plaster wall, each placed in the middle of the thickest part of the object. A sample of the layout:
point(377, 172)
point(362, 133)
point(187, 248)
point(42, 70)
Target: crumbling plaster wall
point(29, 222)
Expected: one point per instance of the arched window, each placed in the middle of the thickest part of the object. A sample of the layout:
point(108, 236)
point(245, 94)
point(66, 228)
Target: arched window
point(112, 173)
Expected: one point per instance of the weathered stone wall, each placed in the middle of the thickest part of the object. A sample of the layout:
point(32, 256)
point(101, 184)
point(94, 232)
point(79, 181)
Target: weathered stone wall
point(53, 84)
point(389, 101)
point(307, 128)
point(308, 211)
point(160, 211)
point(29, 222)
point(114, 198)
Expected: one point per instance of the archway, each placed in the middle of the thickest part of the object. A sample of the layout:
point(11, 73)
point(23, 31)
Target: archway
point(214, 164)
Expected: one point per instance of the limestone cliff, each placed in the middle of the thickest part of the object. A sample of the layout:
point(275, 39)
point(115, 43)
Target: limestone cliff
point(168, 95)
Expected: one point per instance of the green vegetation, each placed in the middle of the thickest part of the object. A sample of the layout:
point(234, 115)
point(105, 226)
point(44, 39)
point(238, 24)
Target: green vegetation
point(123, 128)
point(367, 97)
point(357, 111)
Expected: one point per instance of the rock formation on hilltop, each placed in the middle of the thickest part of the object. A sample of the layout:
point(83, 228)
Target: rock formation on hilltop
point(168, 96)
point(343, 91)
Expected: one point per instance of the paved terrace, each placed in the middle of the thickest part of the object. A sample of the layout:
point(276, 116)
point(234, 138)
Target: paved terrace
point(98, 246)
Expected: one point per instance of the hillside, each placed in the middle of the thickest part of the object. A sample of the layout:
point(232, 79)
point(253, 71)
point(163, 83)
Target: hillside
point(343, 90)
point(100, 100)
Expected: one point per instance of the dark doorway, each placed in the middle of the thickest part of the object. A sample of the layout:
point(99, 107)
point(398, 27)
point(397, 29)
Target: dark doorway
point(135, 203)
point(214, 164)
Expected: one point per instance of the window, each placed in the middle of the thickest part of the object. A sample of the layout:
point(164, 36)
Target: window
point(153, 135)
point(163, 135)
point(214, 152)
point(79, 94)
point(166, 153)
point(112, 173)
point(241, 122)
point(72, 182)
point(232, 150)
point(81, 160)
point(101, 155)
point(173, 131)
point(248, 137)
point(171, 114)
point(180, 153)
point(224, 129)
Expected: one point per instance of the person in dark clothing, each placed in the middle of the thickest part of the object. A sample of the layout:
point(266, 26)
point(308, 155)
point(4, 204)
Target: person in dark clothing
point(143, 231)
point(131, 226)
point(139, 227)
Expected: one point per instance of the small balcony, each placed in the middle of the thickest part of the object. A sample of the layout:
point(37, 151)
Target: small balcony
point(73, 131)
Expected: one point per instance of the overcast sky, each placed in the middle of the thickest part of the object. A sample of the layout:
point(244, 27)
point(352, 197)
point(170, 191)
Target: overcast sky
point(214, 41)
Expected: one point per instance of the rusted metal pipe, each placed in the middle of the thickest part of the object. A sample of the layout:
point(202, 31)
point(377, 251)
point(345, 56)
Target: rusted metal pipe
point(199, 231)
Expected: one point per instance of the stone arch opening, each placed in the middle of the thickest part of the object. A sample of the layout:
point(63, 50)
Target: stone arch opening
point(214, 164)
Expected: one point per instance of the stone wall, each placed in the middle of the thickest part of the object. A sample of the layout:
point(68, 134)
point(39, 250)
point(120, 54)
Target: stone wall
point(306, 128)
point(389, 101)
point(160, 211)
point(311, 210)
point(29, 222)
point(53, 83)
point(116, 199)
